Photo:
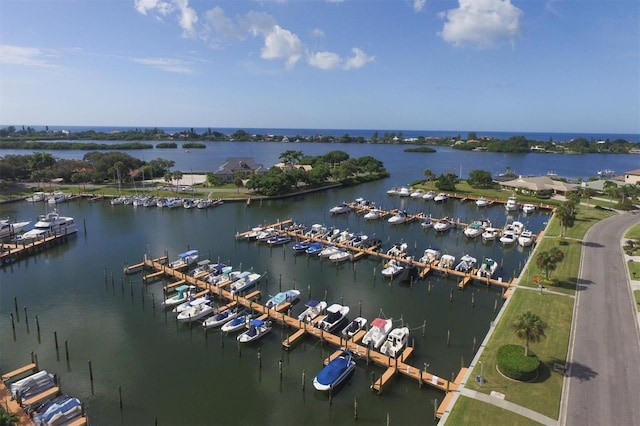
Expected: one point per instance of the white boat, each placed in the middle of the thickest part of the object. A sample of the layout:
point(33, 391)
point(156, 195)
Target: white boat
point(341, 256)
point(358, 240)
point(404, 191)
point(525, 239)
point(490, 234)
point(50, 224)
point(281, 298)
point(183, 293)
point(37, 197)
point(447, 261)
point(196, 312)
point(418, 193)
point(32, 385)
point(7, 229)
point(396, 342)
point(508, 238)
point(279, 239)
point(430, 195)
point(430, 255)
point(426, 223)
point(238, 323)
point(398, 218)
point(340, 209)
point(244, 281)
point(354, 326)
point(336, 314)
point(257, 329)
point(378, 332)
point(173, 202)
point(373, 214)
point(57, 197)
point(222, 318)
point(253, 233)
point(442, 225)
point(482, 202)
point(266, 234)
point(314, 309)
point(335, 372)
point(190, 302)
point(466, 264)
point(393, 191)
point(117, 201)
point(187, 258)
point(150, 202)
point(398, 250)
point(512, 204)
point(393, 268)
point(528, 208)
point(476, 228)
point(488, 268)
point(441, 197)
point(329, 251)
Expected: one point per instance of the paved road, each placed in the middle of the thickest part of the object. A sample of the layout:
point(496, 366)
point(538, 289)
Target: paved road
point(603, 384)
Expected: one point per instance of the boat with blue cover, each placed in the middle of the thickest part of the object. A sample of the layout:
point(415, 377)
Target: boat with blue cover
point(238, 323)
point(184, 259)
point(335, 372)
point(257, 329)
point(314, 248)
point(282, 297)
point(222, 318)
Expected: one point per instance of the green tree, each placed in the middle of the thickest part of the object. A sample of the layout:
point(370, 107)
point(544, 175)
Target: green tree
point(480, 179)
point(41, 160)
point(472, 136)
point(447, 182)
point(530, 327)
point(429, 174)
point(566, 213)
point(291, 157)
point(548, 261)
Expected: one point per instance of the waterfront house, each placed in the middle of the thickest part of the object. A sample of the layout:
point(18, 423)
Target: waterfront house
point(537, 184)
point(632, 177)
point(244, 166)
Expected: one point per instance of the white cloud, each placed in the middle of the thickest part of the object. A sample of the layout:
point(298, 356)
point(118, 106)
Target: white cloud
point(222, 24)
point(418, 5)
point(166, 64)
point(258, 23)
point(282, 44)
point(317, 33)
point(161, 7)
point(481, 23)
point(188, 18)
point(358, 60)
point(324, 60)
point(28, 56)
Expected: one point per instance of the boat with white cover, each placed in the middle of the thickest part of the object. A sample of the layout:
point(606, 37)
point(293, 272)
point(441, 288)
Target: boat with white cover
point(447, 261)
point(466, 264)
point(257, 329)
point(32, 385)
point(354, 326)
point(430, 255)
point(336, 314)
point(340, 209)
point(313, 309)
point(281, 298)
point(399, 217)
point(396, 342)
point(335, 372)
point(393, 268)
point(378, 332)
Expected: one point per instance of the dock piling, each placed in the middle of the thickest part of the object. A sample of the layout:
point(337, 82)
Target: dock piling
point(38, 328)
point(120, 396)
point(303, 380)
point(13, 324)
point(26, 318)
point(15, 305)
point(66, 350)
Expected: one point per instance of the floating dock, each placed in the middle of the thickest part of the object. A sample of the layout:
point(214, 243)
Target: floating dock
point(10, 252)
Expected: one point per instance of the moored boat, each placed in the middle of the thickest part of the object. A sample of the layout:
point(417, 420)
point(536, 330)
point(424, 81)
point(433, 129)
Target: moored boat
point(340, 209)
point(396, 342)
point(441, 197)
point(187, 258)
point(528, 208)
point(7, 229)
point(183, 293)
point(373, 214)
point(353, 327)
point(257, 329)
point(313, 309)
point(378, 332)
point(487, 268)
point(393, 268)
point(281, 298)
point(490, 234)
point(512, 204)
point(342, 255)
point(50, 224)
point(221, 318)
point(447, 261)
point(442, 225)
point(244, 281)
point(466, 264)
point(399, 217)
point(482, 202)
point(196, 312)
point(335, 372)
point(430, 255)
point(429, 195)
point(237, 324)
point(525, 239)
point(336, 315)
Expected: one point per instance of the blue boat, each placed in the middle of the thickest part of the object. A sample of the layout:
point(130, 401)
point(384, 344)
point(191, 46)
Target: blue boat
point(335, 372)
point(301, 246)
point(314, 248)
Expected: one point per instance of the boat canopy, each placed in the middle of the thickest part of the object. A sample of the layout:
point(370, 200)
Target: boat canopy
point(312, 303)
point(188, 253)
point(243, 275)
point(204, 262)
point(378, 322)
point(257, 322)
point(334, 309)
point(183, 287)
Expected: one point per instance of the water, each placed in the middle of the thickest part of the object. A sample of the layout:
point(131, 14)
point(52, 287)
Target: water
point(177, 374)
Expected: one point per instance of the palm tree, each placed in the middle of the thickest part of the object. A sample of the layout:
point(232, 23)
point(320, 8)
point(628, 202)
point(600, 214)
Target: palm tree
point(548, 260)
point(530, 327)
point(566, 213)
point(7, 418)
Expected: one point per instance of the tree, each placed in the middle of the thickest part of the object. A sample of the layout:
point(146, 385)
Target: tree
point(480, 179)
point(530, 327)
point(566, 215)
point(472, 136)
point(548, 261)
point(7, 418)
point(447, 182)
point(291, 157)
point(429, 174)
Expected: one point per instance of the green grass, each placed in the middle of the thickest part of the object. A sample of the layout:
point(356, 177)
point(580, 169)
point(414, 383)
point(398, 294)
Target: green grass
point(636, 294)
point(634, 268)
point(586, 217)
point(469, 411)
point(633, 233)
point(542, 395)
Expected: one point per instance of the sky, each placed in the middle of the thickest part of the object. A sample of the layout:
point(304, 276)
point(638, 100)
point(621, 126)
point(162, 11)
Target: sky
point(473, 65)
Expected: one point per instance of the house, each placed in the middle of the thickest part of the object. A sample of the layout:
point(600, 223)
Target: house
point(285, 166)
point(536, 184)
point(632, 177)
point(240, 165)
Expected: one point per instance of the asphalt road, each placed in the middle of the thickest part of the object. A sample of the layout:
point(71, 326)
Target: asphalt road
point(603, 384)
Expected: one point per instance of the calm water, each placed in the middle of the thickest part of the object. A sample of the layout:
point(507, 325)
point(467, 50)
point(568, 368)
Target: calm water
point(178, 374)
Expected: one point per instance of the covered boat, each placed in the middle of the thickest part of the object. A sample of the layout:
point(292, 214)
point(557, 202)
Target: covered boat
point(281, 298)
point(238, 323)
point(335, 372)
point(257, 329)
point(222, 318)
point(183, 293)
point(393, 268)
point(488, 268)
point(244, 281)
point(430, 255)
point(185, 259)
point(525, 239)
point(336, 314)
point(32, 385)
point(378, 332)
point(57, 411)
point(314, 248)
point(447, 261)
point(314, 309)
point(466, 264)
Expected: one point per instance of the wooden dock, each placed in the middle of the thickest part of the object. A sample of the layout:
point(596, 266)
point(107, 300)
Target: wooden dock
point(10, 252)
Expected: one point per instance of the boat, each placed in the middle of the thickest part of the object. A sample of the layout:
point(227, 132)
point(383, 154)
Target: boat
point(336, 314)
point(257, 329)
point(221, 318)
point(279, 239)
point(606, 173)
point(358, 240)
point(342, 255)
point(393, 268)
point(282, 297)
point(466, 264)
point(447, 261)
point(314, 309)
point(204, 267)
point(528, 208)
point(441, 197)
point(117, 200)
point(378, 332)
point(57, 197)
point(482, 202)
point(335, 372)
point(373, 214)
point(429, 195)
point(150, 202)
point(301, 246)
point(57, 411)
point(7, 229)
point(266, 234)
point(340, 209)
point(393, 191)
point(430, 255)
point(32, 385)
point(398, 218)
point(187, 258)
point(50, 224)
point(490, 234)
point(426, 223)
point(191, 302)
point(188, 203)
point(238, 323)
point(488, 268)
point(442, 225)
point(253, 233)
point(409, 274)
point(314, 248)
point(173, 202)
point(328, 251)
point(396, 342)
point(353, 327)
point(244, 281)
point(184, 291)
point(476, 228)
point(398, 250)
point(418, 193)
point(508, 238)
point(37, 197)
point(512, 204)
point(404, 191)
point(196, 312)
point(525, 239)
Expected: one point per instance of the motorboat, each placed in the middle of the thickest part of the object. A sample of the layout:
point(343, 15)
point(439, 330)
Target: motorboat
point(117, 201)
point(32, 385)
point(282, 297)
point(50, 224)
point(341, 256)
point(512, 204)
point(476, 228)
point(442, 225)
point(183, 292)
point(279, 239)
point(371, 243)
point(528, 208)
point(150, 202)
point(335, 372)
point(418, 193)
point(441, 197)
point(490, 234)
point(525, 239)
point(516, 227)
point(257, 329)
point(373, 214)
point(301, 246)
point(190, 302)
point(173, 202)
point(404, 191)
point(378, 332)
point(447, 261)
point(196, 312)
point(317, 230)
point(313, 309)
point(358, 240)
point(340, 209)
point(266, 234)
point(398, 250)
point(487, 268)
point(187, 258)
point(188, 203)
point(37, 197)
point(399, 217)
point(508, 238)
point(482, 202)
point(238, 323)
point(393, 268)
point(409, 274)
point(314, 248)
point(466, 264)
point(353, 327)
point(221, 318)
point(430, 255)
point(7, 229)
point(426, 223)
point(244, 281)
point(396, 342)
point(393, 191)
point(429, 195)
point(328, 251)
point(57, 411)
point(364, 204)
point(203, 267)
point(336, 315)
point(253, 233)
point(344, 237)
point(57, 197)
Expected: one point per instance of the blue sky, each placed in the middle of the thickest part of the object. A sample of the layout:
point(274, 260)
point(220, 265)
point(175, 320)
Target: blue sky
point(502, 65)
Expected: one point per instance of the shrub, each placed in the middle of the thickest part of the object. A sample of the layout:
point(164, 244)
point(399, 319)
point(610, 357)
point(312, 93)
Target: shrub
point(513, 364)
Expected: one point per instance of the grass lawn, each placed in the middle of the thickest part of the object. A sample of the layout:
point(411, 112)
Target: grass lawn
point(636, 294)
point(634, 270)
point(586, 217)
point(633, 232)
point(470, 411)
point(542, 395)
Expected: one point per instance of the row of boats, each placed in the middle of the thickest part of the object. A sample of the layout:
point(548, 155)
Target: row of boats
point(51, 223)
point(56, 197)
point(168, 202)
